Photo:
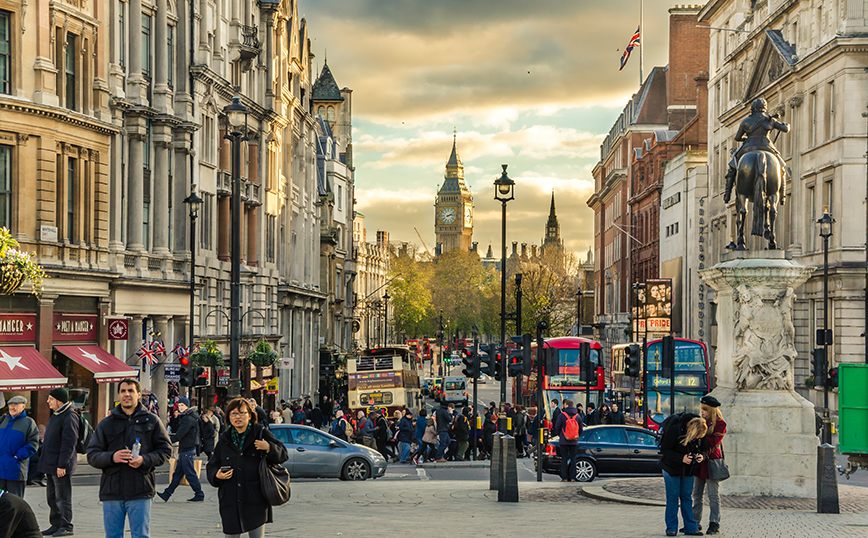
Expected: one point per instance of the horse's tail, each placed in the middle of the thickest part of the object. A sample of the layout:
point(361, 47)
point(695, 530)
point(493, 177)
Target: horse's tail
point(759, 195)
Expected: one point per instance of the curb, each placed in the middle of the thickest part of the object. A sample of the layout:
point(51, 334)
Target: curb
point(600, 494)
point(455, 465)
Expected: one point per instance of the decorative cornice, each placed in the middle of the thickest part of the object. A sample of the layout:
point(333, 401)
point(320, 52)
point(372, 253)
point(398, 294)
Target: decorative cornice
point(62, 115)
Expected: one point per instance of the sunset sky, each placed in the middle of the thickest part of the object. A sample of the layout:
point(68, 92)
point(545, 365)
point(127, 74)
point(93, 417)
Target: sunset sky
point(532, 84)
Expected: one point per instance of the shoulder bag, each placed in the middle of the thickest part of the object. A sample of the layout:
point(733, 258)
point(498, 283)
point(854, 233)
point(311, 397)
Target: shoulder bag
point(717, 469)
point(274, 481)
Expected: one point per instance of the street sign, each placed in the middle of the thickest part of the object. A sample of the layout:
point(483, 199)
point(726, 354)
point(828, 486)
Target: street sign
point(172, 373)
point(118, 329)
point(223, 378)
point(287, 363)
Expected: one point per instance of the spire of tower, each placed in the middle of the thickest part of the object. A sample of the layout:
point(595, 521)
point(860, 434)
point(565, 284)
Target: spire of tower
point(552, 210)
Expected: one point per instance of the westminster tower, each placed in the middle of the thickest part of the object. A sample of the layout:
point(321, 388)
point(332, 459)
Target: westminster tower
point(453, 207)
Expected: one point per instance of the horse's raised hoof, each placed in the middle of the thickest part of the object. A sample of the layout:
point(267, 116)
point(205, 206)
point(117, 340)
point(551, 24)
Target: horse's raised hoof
point(772, 246)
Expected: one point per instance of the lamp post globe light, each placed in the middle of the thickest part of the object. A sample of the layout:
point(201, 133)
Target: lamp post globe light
point(504, 191)
point(825, 223)
point(236, 115)
point(194, 202)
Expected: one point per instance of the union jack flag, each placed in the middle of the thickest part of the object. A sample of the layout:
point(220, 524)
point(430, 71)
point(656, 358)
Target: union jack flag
point(158, 348)
point(147, 354)
point(180, 351)
point(634, 42)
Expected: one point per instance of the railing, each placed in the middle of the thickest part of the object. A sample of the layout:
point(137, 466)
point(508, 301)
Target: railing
point(129, 261)
point(250, 36)
point(224, 183)
point(154, 264)
point(253, 193)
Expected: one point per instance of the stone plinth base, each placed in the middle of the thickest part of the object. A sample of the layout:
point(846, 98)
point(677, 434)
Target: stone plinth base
point(771, 445)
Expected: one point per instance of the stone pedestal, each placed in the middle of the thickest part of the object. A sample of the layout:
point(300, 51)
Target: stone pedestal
point(771, 446)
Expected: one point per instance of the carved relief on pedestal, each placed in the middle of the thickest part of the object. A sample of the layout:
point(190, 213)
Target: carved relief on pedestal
point(764, 345)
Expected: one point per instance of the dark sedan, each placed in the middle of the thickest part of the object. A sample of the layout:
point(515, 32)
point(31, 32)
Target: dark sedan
point(608, 449)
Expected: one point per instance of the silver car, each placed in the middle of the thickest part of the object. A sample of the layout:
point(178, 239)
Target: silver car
point(316, 454)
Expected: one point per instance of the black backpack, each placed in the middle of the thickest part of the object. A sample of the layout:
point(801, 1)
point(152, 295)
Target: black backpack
point(85, 433)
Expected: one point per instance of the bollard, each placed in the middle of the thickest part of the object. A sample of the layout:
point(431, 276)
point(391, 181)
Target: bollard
point(508, 491)
point(496, 459)
point(827, 481)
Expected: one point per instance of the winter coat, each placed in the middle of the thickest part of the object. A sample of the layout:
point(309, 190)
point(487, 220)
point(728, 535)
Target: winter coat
point(561, 424)
point(616, 417)
point(242, 506)
point(460, 429)
point(365, 429)
point(673, 451)
point(338, 428)
point(430, 436)
point(58, 445)
point(556, 412)
point(383, 432)
point(592, 418)
point(17, 517)
point(262, 416)
point(316, 417)
point(187, 434)
point(443, 419)
point(489, 428)
point(711, 444)
point(19, 439)
point(421, 424)
point(206, 434)
point(519, 423)
point(119, 481)
point(405, 430)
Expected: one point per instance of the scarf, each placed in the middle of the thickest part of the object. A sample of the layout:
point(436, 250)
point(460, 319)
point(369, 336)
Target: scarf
point(238, 438)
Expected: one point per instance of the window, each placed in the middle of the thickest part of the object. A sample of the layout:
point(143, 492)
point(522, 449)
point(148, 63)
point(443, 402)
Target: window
point(70, 71)
point(812, 220)
point(170, 39)
point(640, 438)
point(70, 199)
point(340, 196)
point(208, 139)
point(284, 435)
point(321, 111)
point(331, 113)
point(122, 34)
point(146, 223)
point(310, 438)
point(146, 46)
point(205, 214)
point(5, 53)
point(813, 119)
point(827, 196)
point(607, 435)
point(829, 123)
point(6, 186)
point(270, 228)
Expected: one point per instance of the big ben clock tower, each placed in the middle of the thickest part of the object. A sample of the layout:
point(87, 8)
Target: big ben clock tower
point(453, 208)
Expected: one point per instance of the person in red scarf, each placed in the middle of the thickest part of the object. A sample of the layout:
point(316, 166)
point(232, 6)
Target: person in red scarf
point(713, 443)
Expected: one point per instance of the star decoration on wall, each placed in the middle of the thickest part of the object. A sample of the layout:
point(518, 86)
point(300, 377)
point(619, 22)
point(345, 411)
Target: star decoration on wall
point(11, 361)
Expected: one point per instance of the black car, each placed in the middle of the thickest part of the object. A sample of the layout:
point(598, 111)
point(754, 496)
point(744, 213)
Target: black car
point(608, 449)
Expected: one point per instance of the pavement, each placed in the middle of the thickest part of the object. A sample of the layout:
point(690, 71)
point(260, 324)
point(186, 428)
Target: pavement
point(407, 500)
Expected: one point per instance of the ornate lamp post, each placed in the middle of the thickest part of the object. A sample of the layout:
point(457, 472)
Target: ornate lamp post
point(504, 191)
point(194, 202)
point(386, 298)
point(440, 343)
point(825, 223)
point(236, 113)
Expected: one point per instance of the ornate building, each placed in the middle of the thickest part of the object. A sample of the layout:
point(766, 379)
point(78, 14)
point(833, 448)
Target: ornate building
point(453, 208)
point(552, 240)
point(369, 286)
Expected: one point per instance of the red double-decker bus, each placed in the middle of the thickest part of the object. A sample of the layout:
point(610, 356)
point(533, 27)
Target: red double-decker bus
point(567, 384)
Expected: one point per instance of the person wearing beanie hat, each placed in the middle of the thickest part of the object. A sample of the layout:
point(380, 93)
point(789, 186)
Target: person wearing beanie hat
point(187, 436)
point(711, 445)
point(184, 400)
point(58, 461)
point(19, 439)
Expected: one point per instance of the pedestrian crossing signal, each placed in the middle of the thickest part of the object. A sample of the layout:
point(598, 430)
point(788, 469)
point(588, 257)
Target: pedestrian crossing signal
point(632, 361)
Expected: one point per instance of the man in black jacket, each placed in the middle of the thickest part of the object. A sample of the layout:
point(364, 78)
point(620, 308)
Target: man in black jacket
point(58, 461)
point(443, 422)
point(128, 445)
point(187, 437)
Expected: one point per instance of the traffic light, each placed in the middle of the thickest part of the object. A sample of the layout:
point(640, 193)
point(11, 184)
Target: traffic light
point(471, 363)
point(818, 366)
point(632, 360)
point(668, 357)
point(498, 371)
point(485, 366)
point(551, 361)
point(585, 370)
point(199, 380)
point(520, 357)
point(833, 378)
point(186, 373)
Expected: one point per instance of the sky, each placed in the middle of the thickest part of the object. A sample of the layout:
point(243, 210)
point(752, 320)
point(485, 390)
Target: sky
point(529, 83)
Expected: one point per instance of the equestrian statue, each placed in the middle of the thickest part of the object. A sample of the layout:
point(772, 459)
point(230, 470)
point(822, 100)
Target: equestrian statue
point(757, 171)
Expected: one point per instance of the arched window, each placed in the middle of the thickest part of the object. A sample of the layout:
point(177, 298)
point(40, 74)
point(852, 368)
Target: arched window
point(321, 110)
point(331, 112)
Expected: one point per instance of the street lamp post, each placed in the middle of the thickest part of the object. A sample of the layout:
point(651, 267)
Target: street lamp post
point(194, 202)
point(386, 298)
point(236, 114)
point(504, 191)
point(825, 223)
point(440, 343)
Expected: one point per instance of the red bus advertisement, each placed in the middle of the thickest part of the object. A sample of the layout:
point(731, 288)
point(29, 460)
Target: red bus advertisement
point(567, 384)
point(691, 380)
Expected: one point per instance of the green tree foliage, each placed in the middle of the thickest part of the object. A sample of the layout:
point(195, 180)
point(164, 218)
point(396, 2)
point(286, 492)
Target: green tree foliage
point(549, 288)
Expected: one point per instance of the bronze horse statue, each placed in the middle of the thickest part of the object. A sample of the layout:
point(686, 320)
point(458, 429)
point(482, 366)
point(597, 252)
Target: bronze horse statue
point(757, 172)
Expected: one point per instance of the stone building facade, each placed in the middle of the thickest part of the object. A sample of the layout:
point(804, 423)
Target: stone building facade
point(806, 59)
point(369, 286)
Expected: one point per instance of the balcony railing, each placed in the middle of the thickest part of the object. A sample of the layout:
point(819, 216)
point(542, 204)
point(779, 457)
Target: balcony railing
point(224, 183)
point(253, 193)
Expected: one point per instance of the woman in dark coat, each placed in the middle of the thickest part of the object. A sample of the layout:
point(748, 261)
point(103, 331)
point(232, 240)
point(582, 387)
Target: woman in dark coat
point(206, 435)
point(242, 447)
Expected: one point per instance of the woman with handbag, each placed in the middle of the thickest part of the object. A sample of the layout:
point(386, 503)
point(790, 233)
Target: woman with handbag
point(681, 458)
point(235, 470)
point(713, 469)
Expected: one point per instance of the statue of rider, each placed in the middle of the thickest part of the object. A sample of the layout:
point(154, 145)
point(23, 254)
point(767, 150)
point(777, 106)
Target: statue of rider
point(754, 132)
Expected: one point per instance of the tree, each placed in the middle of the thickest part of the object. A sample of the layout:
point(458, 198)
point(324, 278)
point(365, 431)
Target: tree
point(549, 286)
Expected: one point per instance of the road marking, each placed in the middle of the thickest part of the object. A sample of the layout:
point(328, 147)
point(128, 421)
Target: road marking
point(422, 474)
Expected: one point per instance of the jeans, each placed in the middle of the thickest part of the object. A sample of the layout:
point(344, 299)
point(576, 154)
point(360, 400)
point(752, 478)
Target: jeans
point(444, 444)
point(184, 467)
point(15, 487)
point(568, 462)
point(679, 488)
point(114, 514)
point(405, 450)
point(699, 486)
point(58, 494)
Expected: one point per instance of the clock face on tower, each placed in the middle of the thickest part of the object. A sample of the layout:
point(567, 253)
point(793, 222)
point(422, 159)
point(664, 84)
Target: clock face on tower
point(447, 216)
point(468, 216)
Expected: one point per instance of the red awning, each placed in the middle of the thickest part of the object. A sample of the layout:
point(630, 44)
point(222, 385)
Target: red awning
point(23, 368)
point(106, 367)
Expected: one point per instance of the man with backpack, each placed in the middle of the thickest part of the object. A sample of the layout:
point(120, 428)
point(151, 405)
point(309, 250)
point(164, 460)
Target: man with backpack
point(568, 428)
point(58, 461)
point(341, 428)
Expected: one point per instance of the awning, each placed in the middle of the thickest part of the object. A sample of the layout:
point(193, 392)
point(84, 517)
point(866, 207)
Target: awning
point(23, 368)
point(106, 367)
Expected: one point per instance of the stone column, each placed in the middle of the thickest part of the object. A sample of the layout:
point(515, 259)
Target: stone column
point(44, 339)
point(771, 446)
point(135, 80)
point(135, 192)
point(158, 376)
point(134, 342)
point(116, 196)
point(269, 75)
point(162, 101)
point(160, 179)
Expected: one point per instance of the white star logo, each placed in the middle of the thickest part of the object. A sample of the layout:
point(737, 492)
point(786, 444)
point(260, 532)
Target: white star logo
point(11, 361)
point(91, 356)
point(29, 326)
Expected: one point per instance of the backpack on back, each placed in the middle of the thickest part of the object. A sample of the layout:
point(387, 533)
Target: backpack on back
point(571, 428)
point(85, 433)
point(348, 428)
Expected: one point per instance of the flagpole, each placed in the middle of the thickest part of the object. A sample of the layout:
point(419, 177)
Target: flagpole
point(641, 39)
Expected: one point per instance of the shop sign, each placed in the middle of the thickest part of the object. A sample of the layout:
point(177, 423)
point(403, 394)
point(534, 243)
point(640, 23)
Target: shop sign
point(75, 327)
point(223, 378)
point(17, 327)
point(118, 329)
point(172, 373)
point(286, 363)
point(271, 386)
